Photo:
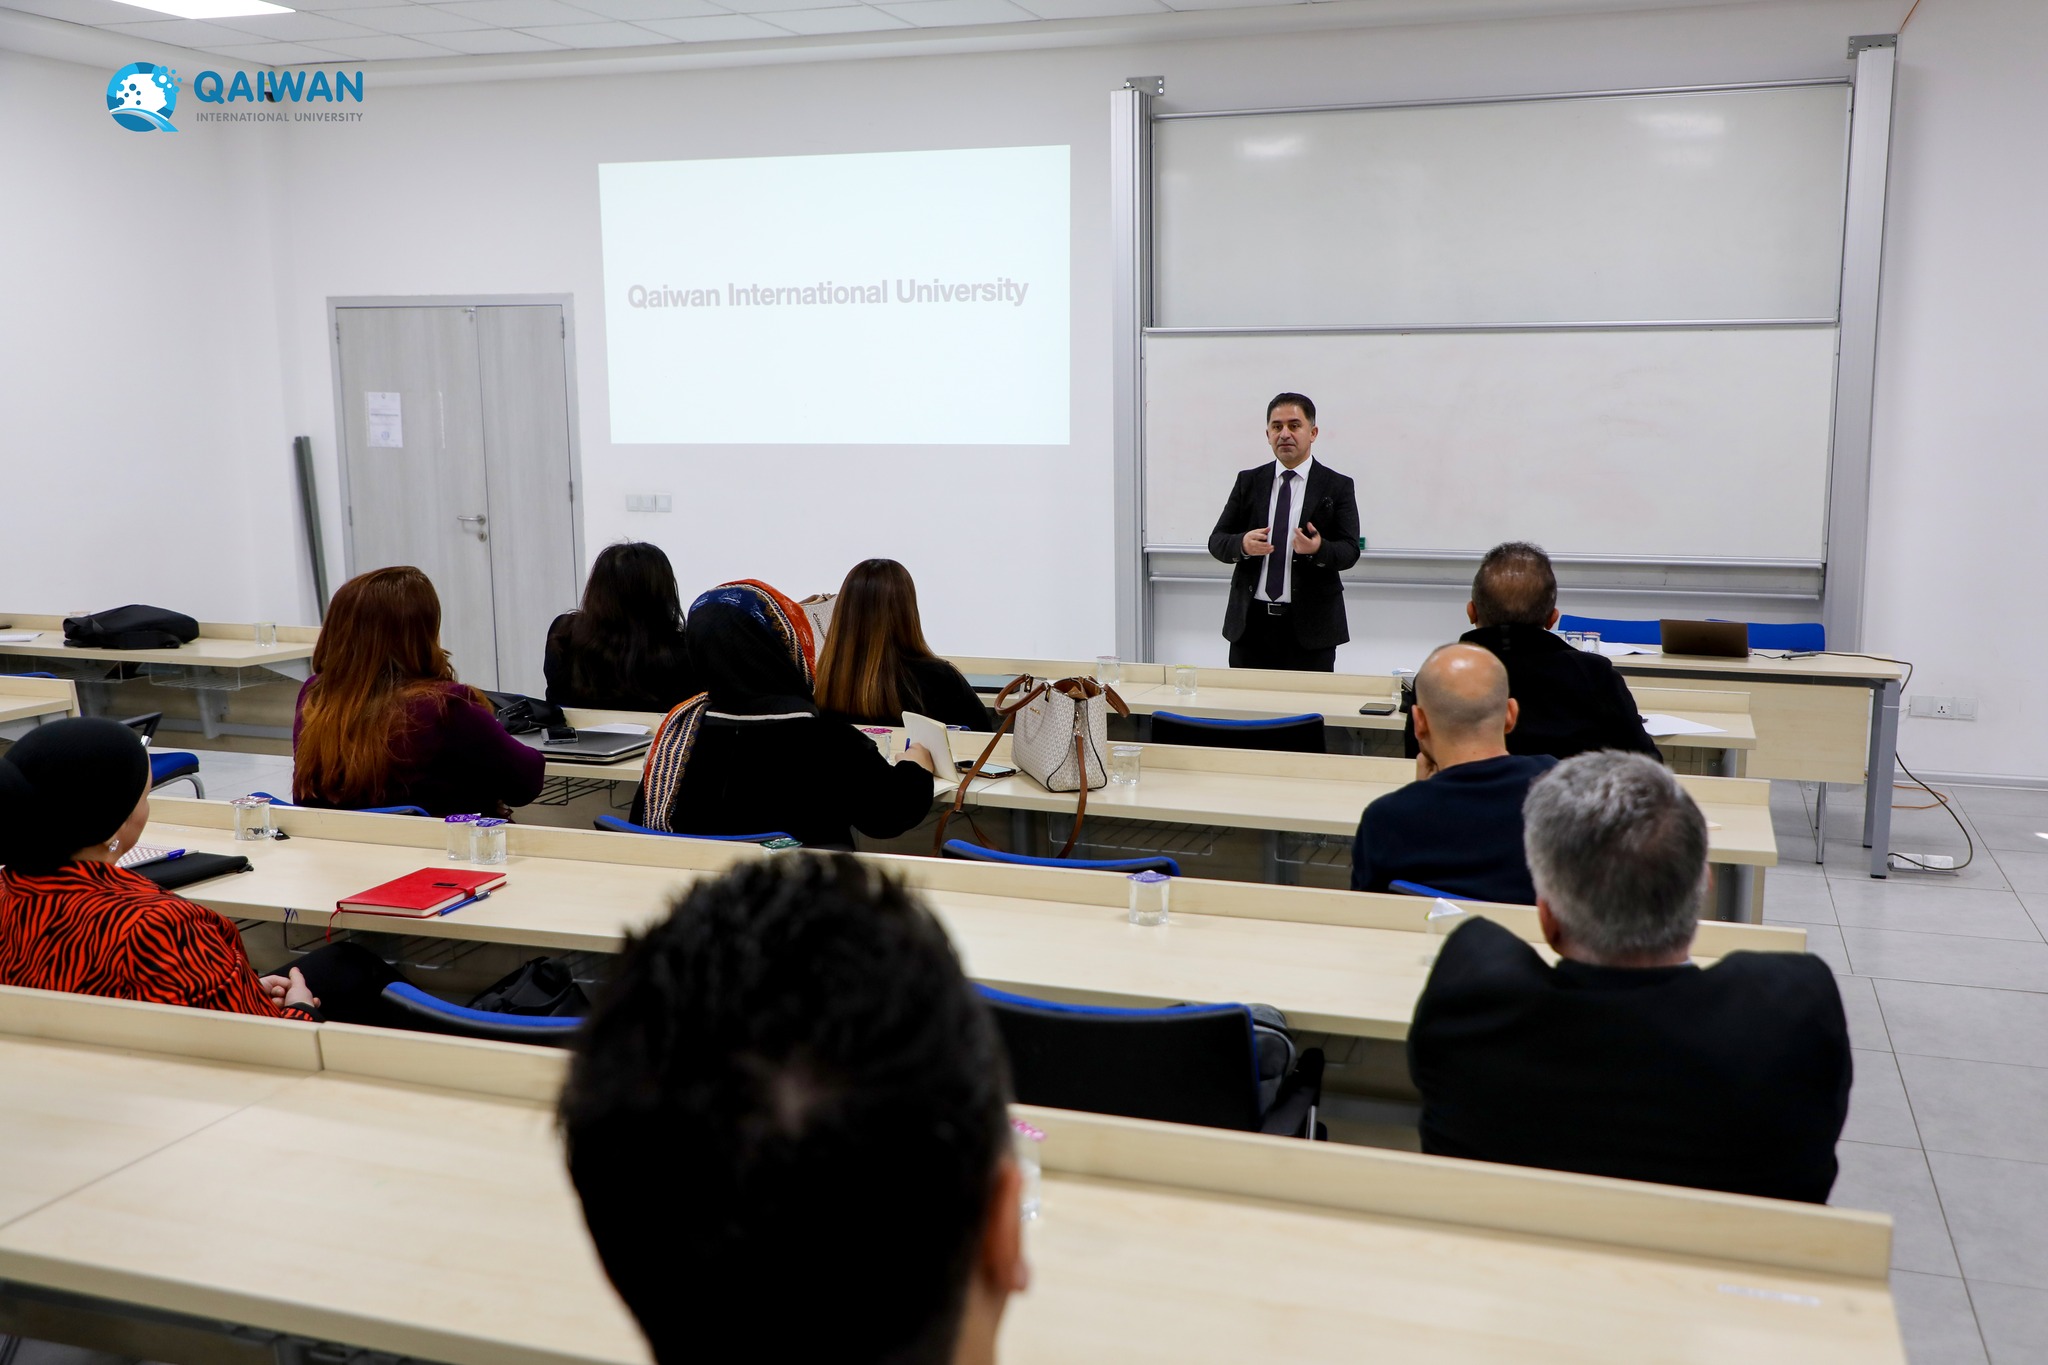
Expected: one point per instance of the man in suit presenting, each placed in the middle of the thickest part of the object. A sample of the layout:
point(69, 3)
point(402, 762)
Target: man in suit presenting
point(1290, 527)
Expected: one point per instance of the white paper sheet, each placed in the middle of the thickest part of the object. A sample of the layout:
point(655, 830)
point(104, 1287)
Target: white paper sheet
point(386, 425)
point(19, 638)
point(1616, 651)
point(1660, 725)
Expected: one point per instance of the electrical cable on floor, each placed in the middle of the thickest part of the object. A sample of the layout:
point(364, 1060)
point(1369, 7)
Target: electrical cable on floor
point(1943, 802)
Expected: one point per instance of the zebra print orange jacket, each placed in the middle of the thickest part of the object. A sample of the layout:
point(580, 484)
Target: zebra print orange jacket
point(96, 929)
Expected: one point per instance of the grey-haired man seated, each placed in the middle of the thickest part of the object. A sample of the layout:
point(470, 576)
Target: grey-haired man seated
point(1626, 1058)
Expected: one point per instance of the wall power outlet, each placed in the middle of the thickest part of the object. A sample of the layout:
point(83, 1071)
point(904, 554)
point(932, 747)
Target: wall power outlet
point(1942, 708)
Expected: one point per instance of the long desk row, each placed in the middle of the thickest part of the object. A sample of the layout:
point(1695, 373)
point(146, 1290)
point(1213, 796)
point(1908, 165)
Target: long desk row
point(406, 1194)
point(1319, 794)
point(1821, 718)
point(1334, 961)
point(25, 701)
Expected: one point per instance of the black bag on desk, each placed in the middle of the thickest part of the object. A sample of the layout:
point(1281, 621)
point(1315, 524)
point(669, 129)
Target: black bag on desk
point(542, 987)
point(133, 627)
point(521, 714)
point(187, 868)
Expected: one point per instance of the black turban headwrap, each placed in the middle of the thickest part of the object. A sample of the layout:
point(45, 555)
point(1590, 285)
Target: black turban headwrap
point(66, 785)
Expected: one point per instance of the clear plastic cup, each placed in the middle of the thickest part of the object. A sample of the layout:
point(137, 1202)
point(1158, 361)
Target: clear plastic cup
point(266, 634)
point(460, 837)
point(1109, 670)
point(1124, 762)
point(1150, 892)
point(252, 817)
point(1025, 1141)
point(487, 841)
point(1185, 678)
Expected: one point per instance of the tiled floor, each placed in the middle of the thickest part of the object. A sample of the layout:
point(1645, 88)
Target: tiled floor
point(1945, 976)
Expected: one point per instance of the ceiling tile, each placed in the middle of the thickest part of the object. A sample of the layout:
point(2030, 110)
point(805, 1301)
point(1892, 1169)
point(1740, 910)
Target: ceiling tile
point(338, 5)
point(598, 35)
point(382, 47)
point(842, 19)
point(409, 19)
point(633, 11)
point(519, 13)
point(1089, 9)
point(178, 32)
point(492, 41)
point(715, 28)
point(293, 28)
point(766, 6)
point(275, 54)
point(949, 13)
point(95, 12)
point(1226, 4)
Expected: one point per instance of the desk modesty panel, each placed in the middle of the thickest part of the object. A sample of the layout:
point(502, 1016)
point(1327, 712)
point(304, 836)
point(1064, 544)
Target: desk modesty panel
point(448, 1230)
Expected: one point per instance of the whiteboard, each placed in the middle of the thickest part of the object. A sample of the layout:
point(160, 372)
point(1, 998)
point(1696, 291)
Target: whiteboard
point(1667, 443)
point(1709, 206)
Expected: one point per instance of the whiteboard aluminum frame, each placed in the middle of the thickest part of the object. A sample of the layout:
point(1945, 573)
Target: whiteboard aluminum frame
point(1846, 533)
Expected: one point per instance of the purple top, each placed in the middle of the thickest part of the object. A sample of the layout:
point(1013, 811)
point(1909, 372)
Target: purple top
point(449, 763)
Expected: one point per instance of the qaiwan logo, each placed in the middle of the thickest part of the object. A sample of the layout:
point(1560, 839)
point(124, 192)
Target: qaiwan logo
point(142, 96)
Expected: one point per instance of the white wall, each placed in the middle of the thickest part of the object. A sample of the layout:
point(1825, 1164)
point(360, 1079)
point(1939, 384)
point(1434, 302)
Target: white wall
point(491, 188)
point(141, 404)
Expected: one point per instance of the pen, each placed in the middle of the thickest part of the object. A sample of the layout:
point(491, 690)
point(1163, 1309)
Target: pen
point(479, 896)
point(174, 853)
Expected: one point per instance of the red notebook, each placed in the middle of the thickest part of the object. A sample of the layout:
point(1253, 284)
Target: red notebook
point(422, 894)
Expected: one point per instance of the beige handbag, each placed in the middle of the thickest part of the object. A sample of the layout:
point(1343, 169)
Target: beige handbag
point(1062, 741)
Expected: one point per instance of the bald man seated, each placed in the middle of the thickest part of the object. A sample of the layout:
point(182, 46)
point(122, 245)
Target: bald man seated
point(1458, 827)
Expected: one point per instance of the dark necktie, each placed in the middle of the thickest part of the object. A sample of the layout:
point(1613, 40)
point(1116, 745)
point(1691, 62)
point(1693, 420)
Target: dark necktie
point(1282, 537)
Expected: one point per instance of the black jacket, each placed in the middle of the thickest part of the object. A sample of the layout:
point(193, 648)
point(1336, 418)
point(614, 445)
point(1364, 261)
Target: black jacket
point(814, 779)
point(933, 687)
point(1318, 594)
point(1571, 701)
point(1459, 831)
point(1732, 1077)
point(663, 679)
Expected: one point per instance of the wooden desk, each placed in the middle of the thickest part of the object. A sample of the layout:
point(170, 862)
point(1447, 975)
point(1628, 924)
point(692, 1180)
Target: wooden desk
point(1333, 961)
point(35, 699)
point(224, 658)
point(445, 1229)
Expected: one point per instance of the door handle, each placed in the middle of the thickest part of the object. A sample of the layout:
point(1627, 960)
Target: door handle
point(481, 532)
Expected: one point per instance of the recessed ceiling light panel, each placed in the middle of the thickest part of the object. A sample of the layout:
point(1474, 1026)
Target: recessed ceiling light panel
point(209, 9)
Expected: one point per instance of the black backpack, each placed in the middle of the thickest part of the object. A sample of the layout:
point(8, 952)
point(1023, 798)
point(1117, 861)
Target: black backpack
point(132, 627)
point(521, 714)
point(543, 986)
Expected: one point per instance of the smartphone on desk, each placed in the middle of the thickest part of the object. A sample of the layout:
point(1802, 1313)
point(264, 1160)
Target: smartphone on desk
point(561, 734)
point(1379, 708)
point(990, 770)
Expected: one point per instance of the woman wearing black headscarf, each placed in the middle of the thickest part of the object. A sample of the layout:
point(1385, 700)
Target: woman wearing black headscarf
point(74, 796)
point(751, 755)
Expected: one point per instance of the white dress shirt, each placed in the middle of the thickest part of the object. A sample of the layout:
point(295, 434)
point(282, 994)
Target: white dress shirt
point(1283, 537)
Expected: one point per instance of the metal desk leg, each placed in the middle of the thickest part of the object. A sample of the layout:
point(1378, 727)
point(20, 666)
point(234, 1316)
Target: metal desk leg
point(1735, 894)
point(1877, 780)
point(213, 710)
point(1820, 823)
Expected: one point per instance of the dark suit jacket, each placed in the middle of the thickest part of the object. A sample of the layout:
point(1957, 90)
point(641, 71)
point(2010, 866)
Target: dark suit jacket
point(1733, 1077)
point(1571, 702)
point(1318, 595)
point(1459, 831)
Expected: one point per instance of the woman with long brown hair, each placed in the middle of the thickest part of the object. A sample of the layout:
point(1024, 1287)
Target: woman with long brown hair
point(383, 722)
point(876, 664)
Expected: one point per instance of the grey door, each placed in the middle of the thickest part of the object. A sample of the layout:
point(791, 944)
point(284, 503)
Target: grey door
point(455, 445)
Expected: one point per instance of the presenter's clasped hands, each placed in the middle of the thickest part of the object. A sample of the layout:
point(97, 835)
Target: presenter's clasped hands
point(1258, 542)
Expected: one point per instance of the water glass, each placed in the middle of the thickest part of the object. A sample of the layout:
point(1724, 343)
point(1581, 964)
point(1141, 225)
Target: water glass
point(1123, 763)
point(266, 634)
point(1589, 640)
point(459, 837)
point(1184, 679)
point(252, 817)
point(1025, 1141)
point(1109, 670)
point(487, 841)
point(1149, 893)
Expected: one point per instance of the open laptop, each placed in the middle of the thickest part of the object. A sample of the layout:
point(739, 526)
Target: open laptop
point(589, 746)
point(1713, 639)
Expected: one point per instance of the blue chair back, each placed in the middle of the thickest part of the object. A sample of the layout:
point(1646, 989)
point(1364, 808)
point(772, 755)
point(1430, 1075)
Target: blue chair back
point(366, 810)
point(1418, 889)
point(432, 1015)
point(1799, 637)
point(975, 853)
point(1614, 630)
point(1282, 734)
point(1180, 1064)
point(619, 826)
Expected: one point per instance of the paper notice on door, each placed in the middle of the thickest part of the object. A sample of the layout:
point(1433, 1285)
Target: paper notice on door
point(387, 421)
